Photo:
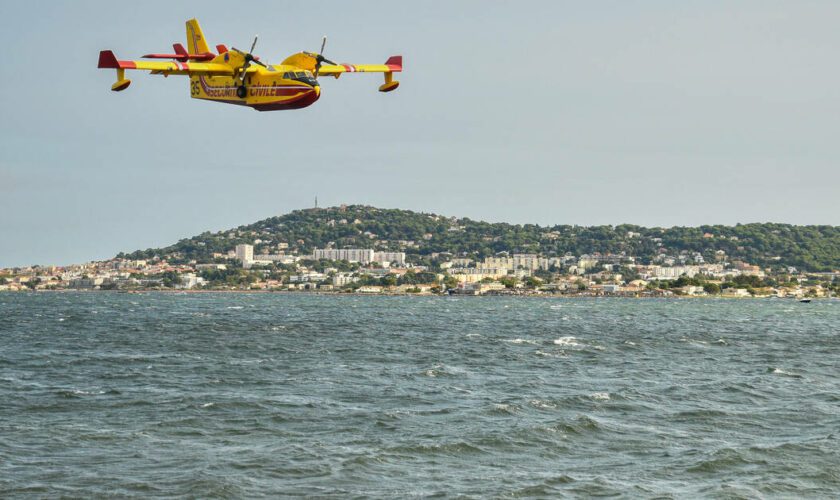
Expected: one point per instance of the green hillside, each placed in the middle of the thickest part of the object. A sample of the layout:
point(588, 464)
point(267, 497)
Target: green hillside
point(420, 235)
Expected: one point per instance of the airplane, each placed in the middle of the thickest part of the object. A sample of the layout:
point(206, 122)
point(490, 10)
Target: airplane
point(238, 77)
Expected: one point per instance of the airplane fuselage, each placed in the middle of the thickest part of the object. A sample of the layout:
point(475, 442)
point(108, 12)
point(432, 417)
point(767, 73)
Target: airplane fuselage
point(266, 89)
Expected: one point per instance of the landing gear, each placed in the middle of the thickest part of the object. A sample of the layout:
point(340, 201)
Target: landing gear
point(241, 91)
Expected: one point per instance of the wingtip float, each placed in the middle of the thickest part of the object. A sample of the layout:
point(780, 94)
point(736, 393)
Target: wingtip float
point(233, 76)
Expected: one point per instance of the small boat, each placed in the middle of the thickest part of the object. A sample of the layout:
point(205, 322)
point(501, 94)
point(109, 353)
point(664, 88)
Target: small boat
point(805, 301)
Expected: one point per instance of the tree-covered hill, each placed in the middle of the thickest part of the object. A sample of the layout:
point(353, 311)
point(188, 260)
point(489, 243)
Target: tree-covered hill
point(420, 235)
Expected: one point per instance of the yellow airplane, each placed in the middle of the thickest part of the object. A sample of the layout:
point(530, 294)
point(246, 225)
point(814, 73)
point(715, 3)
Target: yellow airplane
point(230, 77)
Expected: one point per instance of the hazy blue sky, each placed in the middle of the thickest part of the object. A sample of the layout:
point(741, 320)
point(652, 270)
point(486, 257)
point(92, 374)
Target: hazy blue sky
point(655, 113)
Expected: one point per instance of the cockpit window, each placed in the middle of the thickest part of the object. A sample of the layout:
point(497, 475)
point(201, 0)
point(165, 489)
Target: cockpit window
point(300, 76)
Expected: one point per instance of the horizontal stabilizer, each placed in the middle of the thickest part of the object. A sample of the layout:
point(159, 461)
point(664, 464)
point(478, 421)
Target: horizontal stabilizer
point(182, 58)
point(177, 57)
point(107, 59)
point(182, 55)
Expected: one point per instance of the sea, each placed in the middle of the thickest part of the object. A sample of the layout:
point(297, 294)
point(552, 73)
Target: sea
point(232, 395)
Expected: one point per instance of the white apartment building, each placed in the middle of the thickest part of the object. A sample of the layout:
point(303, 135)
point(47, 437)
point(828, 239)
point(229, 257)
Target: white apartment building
point(344, 279)
point(390, 257)
point(190, 280)
point(361, 255)
point(475, 274)
point(528, 261)
point(281, 258)
point(669, 273)
point(495, 263)
point(210, 267)
point(245, 254)
point(585, 263)
point(307, 277)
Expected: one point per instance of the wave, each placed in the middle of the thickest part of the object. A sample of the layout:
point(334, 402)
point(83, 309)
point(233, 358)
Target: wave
point(568, 341)
point(779, 371)
point(579, 426)
point(543, 404)
point(521, 341)
point(576, 343)
point(87, 393)
point(441, 370)
point(560, 354)
point(76, 393)
point(505, 409)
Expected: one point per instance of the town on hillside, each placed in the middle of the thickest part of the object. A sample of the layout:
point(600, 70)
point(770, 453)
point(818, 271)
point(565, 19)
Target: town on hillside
point(360, 270)
point(360, 249)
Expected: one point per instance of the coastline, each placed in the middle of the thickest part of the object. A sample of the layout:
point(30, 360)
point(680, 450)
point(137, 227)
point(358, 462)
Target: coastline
point(402, 294)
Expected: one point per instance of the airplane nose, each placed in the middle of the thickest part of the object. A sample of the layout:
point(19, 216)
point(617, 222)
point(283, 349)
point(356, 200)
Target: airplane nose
point(317, 90)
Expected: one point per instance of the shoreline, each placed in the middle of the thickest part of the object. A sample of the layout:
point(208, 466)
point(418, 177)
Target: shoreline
point(399, 294)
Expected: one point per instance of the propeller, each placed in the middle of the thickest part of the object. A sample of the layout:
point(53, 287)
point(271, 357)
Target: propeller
point(319, 57)
point(249, 57)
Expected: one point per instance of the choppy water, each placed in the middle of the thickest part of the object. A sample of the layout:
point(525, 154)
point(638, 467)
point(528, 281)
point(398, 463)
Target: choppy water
point(232, 395)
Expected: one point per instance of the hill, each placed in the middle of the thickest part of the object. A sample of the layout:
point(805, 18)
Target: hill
point(422, 236)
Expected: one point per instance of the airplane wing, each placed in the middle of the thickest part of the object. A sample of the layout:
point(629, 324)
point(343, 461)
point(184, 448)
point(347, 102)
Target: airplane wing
point(392, 65)
point(107, 59)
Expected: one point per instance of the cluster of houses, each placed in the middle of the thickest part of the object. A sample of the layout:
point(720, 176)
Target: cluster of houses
point(386, 272)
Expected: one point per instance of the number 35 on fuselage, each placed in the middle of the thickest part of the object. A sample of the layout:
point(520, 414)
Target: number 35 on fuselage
point(238, 77)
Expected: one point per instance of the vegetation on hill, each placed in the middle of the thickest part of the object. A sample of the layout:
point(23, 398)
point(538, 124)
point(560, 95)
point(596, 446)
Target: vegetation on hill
point(421, 236)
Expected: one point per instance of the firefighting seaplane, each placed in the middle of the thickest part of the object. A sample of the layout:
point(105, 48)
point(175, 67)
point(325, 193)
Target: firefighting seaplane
point(238, 77)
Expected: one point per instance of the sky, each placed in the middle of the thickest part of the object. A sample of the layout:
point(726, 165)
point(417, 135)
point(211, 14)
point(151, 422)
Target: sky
point(656, 113)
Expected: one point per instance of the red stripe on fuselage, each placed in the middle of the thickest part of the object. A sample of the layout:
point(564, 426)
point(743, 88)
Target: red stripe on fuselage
point(211, 91)
point(278, 91)
point(303, 101)
point(293, 91)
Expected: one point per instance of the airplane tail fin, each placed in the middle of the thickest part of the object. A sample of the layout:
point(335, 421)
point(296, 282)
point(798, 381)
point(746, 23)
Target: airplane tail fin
point(180, 50)
point(394, 63)
point(195, 38)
